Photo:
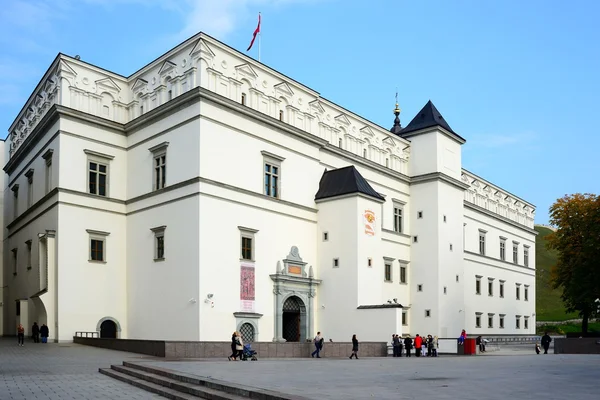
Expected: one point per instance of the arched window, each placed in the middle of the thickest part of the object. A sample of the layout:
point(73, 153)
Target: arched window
point(281, 115)
point(247, 332)
point(243, 99)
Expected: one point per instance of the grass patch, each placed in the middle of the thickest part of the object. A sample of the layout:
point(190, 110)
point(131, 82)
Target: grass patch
point(563, 329)
point(548, 304)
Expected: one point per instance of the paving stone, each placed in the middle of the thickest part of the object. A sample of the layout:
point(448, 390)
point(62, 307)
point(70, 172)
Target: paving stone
point(62, 371)
point(513, 372)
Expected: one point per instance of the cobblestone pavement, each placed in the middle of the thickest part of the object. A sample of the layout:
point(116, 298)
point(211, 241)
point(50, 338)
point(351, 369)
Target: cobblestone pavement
point(62, 371)
point(511, 373)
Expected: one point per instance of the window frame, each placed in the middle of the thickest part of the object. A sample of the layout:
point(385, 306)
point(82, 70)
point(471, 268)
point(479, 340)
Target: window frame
point(420, 287)
point(99, 159)
point(397, 217)
point(515, 252)
point(501, 321)
point(276, 161)
point(526, 322)
point(518, 291)
point(48, 172)
point(15, 190)
point(502, 248)
point(404, 317)
point(247, 233)
point(478, 285)
point(159, 151)
point(490, 320)
point(525, 292)
point(517, 322)
point(403, 274)
point(491, 287)
point(29, 175)
point(387, 272)
point(159, 235)
point(478, 320)
point(526, 255)
point(100, 236)
point(15, 260)
point(29, 244)
point(501, 289)
point(482, 242)
point(428, 313)
point(336, 262)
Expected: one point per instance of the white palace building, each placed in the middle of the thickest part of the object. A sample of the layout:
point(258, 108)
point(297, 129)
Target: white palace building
point(208, 193)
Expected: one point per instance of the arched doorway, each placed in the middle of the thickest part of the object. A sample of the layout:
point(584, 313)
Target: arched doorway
point(294, 318)
point(108, 329)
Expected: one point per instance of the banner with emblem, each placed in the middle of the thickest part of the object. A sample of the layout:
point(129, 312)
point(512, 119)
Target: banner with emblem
point(369, 218)
point(247, 287)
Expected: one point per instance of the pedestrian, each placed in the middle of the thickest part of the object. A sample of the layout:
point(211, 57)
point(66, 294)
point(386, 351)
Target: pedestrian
point(239, 345)
point(429, 345)
point(20, 335)
point(537, 348)
point(44, 333)
point(435, 346)
point(233, 350)
point(408, 345)
point(396, 345)
point(546, 339)
point(463, 336)
point(418, 345)
point(354, 347)
point(35, 333)
point(318, 341)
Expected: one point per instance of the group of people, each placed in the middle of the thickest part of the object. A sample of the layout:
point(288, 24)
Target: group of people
point(237, 346)
point(424, 346)
point(36, 333)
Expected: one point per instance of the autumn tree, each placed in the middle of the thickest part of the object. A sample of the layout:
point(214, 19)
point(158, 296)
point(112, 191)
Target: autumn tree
point(577, 240)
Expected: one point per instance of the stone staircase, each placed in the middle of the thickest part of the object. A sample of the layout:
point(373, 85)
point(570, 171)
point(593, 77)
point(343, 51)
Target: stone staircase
point(181, 386)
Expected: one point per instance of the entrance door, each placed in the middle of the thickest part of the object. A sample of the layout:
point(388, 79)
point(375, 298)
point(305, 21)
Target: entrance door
point(108, 329)
point(292, 314)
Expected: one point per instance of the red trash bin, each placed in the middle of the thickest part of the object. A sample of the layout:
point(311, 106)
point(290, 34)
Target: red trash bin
point(470, 347)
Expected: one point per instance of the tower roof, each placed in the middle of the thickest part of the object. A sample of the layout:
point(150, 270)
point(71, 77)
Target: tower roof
point(428, 117)
point(397, 128)
point(343, 181)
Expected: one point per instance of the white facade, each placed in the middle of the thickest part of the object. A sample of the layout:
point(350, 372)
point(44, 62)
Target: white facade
point(184, 239)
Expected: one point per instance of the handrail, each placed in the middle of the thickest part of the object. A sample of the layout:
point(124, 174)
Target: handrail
point(87, 334)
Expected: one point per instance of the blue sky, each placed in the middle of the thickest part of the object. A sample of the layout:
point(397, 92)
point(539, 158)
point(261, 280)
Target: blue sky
point(518, 79)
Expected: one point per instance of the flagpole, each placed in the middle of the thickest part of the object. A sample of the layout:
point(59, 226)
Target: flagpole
point(259, 36)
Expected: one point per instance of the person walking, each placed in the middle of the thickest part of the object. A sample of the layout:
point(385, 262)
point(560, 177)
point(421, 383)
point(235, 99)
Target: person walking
point(318, 341)
point(44, 333)
point(239, 345)
point(418, 344)
point(435, 346)
point(233, 350)
point(354, 347)
point(546, 339)
point(20, 335)
point(35, 332)
point(408, 345)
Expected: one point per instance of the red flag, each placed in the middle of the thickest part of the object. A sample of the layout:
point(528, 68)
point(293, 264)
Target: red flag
point(256, 32)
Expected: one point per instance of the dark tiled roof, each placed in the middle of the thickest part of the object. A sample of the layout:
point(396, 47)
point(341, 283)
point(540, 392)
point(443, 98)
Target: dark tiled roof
point(392, 305)
point(428, 117)
point(343, 181)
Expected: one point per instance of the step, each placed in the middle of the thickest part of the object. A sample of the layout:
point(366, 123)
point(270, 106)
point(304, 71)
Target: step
point(215, 384)
point(183, 387)
point(147, 386)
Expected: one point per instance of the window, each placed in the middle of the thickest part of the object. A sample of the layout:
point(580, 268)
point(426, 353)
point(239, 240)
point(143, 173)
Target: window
point(388, 272)
point(365, 153)
point(503, 249)
point(478, 284)
point(482, 242)
point(48, 178)
point(501, 321)
point(29, 175)
point(526, 293)
point(445, 290)
point(526, 322)
point(419, 288)
point(336, 263)
point(427, 313)
point(243, 99)
point(490, 320)
point(247, 243)
point(170, 95)
point(97, 245)
point(97, 166)
point(518, 291)
point(325, 236)
point(369, 262)
point(14, 261)
point(159, 243)
point(518, 322)
point(477, 320)
point(490, 286)
point(457, 278)
point(397, 218)
point(28, 243)
point(141, 110)
point(415, 239)
point(281, 115)
point(15, 190)
point(159, 166)
point(402, 273)
point(420, 214)
point(272, 174)
point(501, 291)
point(18, 307)
point(450, 246)
point(247, 332)
point(340, 143)
point(526, 256)
point(387, 162)
point(404, 317)
point(515, 252)
point(444, 218)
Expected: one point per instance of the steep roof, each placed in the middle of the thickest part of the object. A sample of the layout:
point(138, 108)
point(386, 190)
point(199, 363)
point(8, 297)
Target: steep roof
point(428, 117)
point(343, 181)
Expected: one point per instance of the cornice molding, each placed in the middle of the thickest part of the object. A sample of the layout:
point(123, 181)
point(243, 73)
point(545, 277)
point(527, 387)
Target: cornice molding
point(481, 210)
point(438, 129)
point(438, 176)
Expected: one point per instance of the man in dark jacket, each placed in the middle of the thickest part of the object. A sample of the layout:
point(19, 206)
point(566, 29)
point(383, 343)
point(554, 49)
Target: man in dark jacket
point(35, 333)
point(408, 345)
point(546, 339)
point(44, 332)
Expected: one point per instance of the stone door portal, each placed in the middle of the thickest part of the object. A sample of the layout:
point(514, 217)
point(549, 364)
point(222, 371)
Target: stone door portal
point(292, 314)
point(108, 329)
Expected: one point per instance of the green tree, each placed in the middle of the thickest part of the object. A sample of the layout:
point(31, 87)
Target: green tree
point(577, 240)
